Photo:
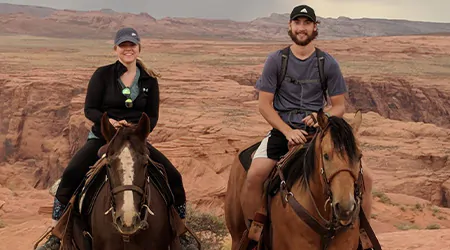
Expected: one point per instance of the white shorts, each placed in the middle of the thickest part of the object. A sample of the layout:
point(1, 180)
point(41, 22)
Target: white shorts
point(273, 146)
point(261, 152)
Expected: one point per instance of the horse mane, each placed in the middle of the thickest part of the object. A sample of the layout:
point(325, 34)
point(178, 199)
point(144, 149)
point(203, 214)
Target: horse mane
point(302, 167)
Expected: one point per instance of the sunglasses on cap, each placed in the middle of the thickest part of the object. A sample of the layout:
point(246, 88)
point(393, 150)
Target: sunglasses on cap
point(127, 93)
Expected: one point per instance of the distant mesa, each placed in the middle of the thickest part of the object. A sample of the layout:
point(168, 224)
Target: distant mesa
point(43, 21)
point(344, 18)
point(108, 11)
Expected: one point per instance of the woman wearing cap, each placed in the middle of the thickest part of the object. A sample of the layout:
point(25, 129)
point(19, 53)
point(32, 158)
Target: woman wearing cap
point(124, 90)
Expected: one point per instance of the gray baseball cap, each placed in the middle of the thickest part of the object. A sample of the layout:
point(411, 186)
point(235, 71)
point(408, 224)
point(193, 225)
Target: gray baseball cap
point(127, 35)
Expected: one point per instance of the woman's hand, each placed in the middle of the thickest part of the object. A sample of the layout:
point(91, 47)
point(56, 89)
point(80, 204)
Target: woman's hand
point(124, 123)
point(114, 123)
point(118, 124)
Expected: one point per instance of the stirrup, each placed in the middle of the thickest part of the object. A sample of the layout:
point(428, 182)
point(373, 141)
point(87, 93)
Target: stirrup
point(257, 226)
point(191, 232)
point(247, 244)
point(53, 243)
point(43, 236)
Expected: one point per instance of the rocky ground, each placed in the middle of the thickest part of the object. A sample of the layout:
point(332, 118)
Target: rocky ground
point(209, 111)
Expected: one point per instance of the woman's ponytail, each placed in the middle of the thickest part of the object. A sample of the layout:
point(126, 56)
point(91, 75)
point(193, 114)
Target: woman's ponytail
point(149, 71)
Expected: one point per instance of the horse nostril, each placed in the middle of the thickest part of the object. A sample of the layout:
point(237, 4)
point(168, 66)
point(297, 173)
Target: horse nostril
point(344, 211)
point(135, 220)
point(119, 221)
point(337, 208)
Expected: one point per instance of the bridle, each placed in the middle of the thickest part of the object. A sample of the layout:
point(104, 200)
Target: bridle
point(327, 229)
point(145, 193)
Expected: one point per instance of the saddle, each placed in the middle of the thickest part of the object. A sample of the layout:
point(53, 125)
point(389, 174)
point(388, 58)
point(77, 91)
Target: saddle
point(272, 183)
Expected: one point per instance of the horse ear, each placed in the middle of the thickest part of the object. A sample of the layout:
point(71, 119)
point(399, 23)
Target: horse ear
point(322, 119)
point(143, 127)
point(108, 130)
point(357, 120)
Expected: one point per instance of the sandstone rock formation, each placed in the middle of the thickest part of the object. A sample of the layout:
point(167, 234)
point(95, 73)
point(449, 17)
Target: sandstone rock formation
point(209, 111)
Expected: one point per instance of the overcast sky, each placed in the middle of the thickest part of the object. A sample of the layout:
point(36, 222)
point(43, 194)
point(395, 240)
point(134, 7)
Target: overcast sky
point(244, 10)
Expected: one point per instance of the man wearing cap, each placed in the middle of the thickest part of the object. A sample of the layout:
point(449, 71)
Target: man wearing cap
point(289, 108)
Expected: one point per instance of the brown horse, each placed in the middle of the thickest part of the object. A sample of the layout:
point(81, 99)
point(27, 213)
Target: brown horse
point(320, 198)
point(129, 211)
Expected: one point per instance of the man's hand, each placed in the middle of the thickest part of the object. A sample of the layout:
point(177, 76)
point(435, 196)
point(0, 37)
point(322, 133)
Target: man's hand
point(309, 121)
point(296, 136)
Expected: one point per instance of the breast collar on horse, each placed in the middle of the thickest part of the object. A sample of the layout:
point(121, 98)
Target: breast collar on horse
point(327, 229)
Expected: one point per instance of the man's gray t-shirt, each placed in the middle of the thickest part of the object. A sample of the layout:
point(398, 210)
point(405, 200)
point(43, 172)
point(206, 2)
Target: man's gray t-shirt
point(301, 88)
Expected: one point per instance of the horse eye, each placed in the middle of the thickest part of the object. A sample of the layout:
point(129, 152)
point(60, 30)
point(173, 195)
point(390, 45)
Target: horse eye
point(326, 157)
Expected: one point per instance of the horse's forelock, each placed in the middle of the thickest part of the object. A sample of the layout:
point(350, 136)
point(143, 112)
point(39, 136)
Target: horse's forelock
point(344, 140)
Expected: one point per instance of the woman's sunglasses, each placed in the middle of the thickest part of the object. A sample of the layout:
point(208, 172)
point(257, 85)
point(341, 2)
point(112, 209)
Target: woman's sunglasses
point(127, 93)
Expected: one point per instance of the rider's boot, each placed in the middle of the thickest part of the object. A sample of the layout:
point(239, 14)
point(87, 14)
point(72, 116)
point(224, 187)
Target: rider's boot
point(53, 243)
point(181, 210)
point(186, 244)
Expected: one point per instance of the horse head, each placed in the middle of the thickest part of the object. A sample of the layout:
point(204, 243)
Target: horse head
point(127, 157)
point(332, 165)
point(339, 161)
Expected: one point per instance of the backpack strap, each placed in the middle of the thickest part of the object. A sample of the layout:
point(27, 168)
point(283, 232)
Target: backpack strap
point(284, 61)
point(321, 62)
point(323, 80)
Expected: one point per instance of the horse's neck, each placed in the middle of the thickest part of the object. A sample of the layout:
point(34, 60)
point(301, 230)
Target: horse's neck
point(303, 196)
point(320, 198)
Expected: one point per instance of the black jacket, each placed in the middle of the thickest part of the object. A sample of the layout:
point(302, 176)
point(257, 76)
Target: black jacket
point(104, 94)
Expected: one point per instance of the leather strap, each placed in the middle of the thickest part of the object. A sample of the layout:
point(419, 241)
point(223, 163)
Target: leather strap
point(123, 188)
point(364, 223)
point(306, 217)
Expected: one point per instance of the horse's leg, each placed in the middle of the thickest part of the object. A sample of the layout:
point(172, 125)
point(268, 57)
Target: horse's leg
point(234, 215)
point(367, 196)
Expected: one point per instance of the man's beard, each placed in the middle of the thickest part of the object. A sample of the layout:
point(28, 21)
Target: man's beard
point(308, 40)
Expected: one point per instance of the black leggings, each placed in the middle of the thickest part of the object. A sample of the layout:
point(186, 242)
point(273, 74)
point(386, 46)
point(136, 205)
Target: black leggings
point(87, 156)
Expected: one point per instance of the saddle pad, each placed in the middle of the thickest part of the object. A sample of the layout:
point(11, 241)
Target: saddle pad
point(245, 156)
point(90, 192)
point(159, 180)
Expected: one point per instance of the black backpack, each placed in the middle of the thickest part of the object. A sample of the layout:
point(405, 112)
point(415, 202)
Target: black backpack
point(320, 58)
